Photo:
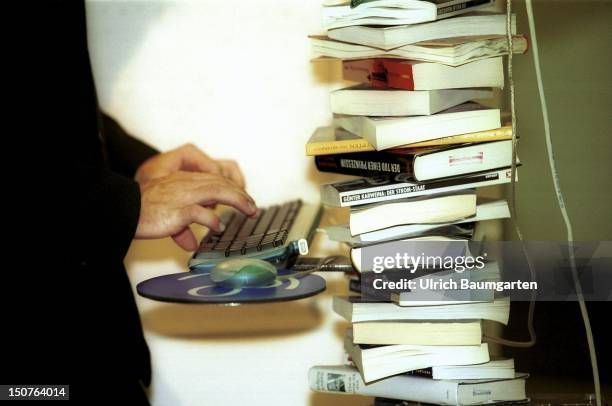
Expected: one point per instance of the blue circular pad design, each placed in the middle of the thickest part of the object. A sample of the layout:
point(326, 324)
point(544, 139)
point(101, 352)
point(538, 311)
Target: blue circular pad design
point(191, 287)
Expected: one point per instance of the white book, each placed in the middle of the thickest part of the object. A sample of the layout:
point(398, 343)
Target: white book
point(451, 51)
point(461, 160)
point(494, 369)
point(383, 189)
point(355, 310)
point(346, 380)
point(362, 100)
point(423, 209)
point(434, 245)
point(420, 296)
point(387, 38)
point(377, 362)
point(394, 12)
point(427, 332)
point(389, 132)
point(486, 209)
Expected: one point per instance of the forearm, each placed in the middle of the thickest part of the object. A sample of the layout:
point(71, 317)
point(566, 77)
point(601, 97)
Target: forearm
point(107, 215)
point(124, 153)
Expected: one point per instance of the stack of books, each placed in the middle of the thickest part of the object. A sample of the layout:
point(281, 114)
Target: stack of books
point(419, 143)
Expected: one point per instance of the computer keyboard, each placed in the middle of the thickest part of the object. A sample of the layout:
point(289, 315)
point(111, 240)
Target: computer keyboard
point(276, 234)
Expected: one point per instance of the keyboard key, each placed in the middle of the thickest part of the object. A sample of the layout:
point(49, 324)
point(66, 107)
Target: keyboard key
point(248, 226)
point(265, 220)
point(280, 238)
point(231, 229)
point(281, 214)
point(222, 246)
point(237, 245)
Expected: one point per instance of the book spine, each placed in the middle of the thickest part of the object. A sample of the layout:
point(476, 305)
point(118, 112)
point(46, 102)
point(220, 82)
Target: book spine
point(380, 73)
point(503, 133)
point(346, 380)
point(400, 74)
point(403, 190)
point(365, 164)
point(369, 71)
point(451, 8)
point(422, 372)
point(338, 147)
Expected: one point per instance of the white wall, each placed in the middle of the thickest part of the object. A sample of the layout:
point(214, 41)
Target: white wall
point(234, 78)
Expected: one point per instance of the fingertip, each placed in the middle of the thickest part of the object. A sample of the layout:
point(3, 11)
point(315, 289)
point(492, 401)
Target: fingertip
point(186, 240)
point(253, 210)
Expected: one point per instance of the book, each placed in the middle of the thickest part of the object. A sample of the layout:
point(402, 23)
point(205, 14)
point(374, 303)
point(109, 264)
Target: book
point(387, 188)
point(336, 140)
point(441, 208)
point(497, 134)
point(345, 379)
point(430, 332)
point(364, 100)
point(422, 164)
point(451, 51)
point(413, 75)
point(395, 12)
point(486, 209)
point(379, 401)
point(387, 38)
point(494, 369)
point(389, 132)
point(354, 309)
point(490, 273)
point(377, 362)
point(342, 232)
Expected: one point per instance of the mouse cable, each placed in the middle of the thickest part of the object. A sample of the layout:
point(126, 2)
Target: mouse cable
point(318, 267)
point(514, 218)
point(561, 203)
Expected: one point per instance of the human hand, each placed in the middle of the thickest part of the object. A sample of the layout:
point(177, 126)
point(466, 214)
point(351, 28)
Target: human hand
point(187, 158)
point(169, 204)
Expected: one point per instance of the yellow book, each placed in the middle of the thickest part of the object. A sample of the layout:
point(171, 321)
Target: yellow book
point(335, 140)
point(498, 134)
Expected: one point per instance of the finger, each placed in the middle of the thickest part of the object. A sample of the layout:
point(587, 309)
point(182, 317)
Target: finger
point(194, 160)
point(203, 216)
point(225, 193)
point(232, 171)
point(186, 239)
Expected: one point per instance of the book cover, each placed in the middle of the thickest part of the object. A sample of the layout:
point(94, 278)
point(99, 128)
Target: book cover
point(335, 140)
point(387, 188)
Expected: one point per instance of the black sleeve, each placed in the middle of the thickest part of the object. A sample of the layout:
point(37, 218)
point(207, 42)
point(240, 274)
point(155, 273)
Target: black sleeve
point(124, 154)
point(110, 205)
point(69, 224)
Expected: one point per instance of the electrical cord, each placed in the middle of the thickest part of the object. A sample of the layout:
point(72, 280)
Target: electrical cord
point(561, 202)
point(514, 218)
point(318, 267)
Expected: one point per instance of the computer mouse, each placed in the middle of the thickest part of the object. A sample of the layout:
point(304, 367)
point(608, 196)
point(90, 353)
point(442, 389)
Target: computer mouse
point(243, 272)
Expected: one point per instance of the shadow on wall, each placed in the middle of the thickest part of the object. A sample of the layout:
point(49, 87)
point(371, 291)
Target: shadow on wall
point(328, 399)
point(232, 323)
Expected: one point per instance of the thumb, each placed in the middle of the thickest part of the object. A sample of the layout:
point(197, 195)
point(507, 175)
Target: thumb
point(186, 240)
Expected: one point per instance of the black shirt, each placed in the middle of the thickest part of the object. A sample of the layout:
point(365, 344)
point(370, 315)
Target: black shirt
point(69, 310)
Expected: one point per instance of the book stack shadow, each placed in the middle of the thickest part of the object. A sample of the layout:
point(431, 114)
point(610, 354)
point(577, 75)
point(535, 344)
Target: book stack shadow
point(419, 135)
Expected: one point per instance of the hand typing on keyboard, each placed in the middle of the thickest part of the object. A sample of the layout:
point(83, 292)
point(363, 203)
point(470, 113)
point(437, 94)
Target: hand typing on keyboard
point(173, 198)
point(188, 158)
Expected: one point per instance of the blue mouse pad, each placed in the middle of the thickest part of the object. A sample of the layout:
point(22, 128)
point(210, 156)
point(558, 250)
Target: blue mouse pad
point(190, 287)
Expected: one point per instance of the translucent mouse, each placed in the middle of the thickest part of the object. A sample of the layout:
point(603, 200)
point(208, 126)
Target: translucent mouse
point(243, 272)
